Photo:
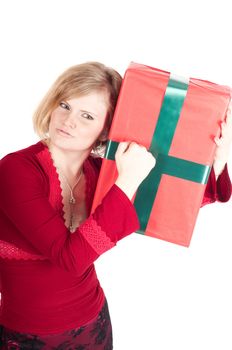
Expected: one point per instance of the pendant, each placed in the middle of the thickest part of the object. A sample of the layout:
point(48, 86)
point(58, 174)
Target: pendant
point(71, 229)
point(72, 200)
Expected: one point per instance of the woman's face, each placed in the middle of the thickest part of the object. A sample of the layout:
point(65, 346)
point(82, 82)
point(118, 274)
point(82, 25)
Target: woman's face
point(77, 122)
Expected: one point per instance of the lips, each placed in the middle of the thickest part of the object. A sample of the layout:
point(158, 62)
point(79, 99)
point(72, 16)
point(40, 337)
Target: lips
point(63, 132)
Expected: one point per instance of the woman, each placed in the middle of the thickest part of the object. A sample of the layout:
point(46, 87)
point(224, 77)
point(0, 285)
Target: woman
point(51, 297)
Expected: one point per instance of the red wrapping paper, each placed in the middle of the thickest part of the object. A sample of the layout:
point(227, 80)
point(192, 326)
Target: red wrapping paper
point(177, 202)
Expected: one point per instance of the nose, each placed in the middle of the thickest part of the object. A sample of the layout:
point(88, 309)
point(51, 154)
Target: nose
point(69, 121)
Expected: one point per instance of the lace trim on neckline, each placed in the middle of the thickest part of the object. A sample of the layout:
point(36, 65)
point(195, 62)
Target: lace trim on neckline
point(9, 250)
point(55, 196)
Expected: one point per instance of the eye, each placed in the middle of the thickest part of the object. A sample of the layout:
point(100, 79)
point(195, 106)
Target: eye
point(65, 106)
point(87, 116)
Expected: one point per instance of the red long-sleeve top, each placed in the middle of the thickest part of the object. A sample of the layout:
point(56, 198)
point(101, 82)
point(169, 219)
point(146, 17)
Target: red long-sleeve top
point(49, 283)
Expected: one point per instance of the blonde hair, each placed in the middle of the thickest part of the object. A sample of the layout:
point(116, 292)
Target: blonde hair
point(78, 80)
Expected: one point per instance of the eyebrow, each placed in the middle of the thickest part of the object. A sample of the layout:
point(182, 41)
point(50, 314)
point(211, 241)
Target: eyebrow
point(82, 110)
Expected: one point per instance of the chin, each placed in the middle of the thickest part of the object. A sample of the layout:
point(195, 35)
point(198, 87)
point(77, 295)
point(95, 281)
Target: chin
point(69, 146)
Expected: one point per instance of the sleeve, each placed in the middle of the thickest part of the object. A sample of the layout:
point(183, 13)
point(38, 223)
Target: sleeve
point(217, 190)
point(23, 200)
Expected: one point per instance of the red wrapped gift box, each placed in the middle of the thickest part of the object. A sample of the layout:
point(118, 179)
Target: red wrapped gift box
point(177, 120)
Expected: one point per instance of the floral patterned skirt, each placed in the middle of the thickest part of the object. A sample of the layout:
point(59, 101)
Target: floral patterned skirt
point(96, 335)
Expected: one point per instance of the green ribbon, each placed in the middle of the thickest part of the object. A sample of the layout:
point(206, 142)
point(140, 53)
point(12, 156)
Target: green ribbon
point(160, 145)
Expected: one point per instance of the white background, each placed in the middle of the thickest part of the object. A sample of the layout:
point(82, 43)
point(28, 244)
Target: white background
point(161, 296)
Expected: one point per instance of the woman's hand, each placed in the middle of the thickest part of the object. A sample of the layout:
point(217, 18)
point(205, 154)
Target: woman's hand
point(134, 163)
point(223, 143)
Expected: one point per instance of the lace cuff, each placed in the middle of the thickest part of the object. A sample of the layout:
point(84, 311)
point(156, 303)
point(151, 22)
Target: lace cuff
point(95, 236)
point(10, 251)
point(223, 185)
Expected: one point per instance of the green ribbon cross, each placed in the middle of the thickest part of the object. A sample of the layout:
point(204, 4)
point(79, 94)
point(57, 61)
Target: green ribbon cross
point(160, 145)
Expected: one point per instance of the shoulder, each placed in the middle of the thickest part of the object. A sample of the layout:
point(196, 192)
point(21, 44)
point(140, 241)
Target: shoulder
point(27, 151)
point(21, 160)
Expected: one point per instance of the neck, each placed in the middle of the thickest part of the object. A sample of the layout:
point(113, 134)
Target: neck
point(68, 161)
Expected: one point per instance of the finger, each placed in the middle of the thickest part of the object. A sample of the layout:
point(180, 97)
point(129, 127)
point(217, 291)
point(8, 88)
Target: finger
point(230, 104)
point(229, 109)
point(151, 155)
point(218, 141)
point(224, 127)
point(132, 144)
point(228, 117)
point(122, 147)
point(153, 159)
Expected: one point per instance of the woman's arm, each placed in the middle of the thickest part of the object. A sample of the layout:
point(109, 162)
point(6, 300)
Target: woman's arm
point(219, 184)
point(24, 202)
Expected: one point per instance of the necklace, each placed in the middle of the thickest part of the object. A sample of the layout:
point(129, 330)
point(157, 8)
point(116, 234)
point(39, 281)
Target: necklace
point(72, 199)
